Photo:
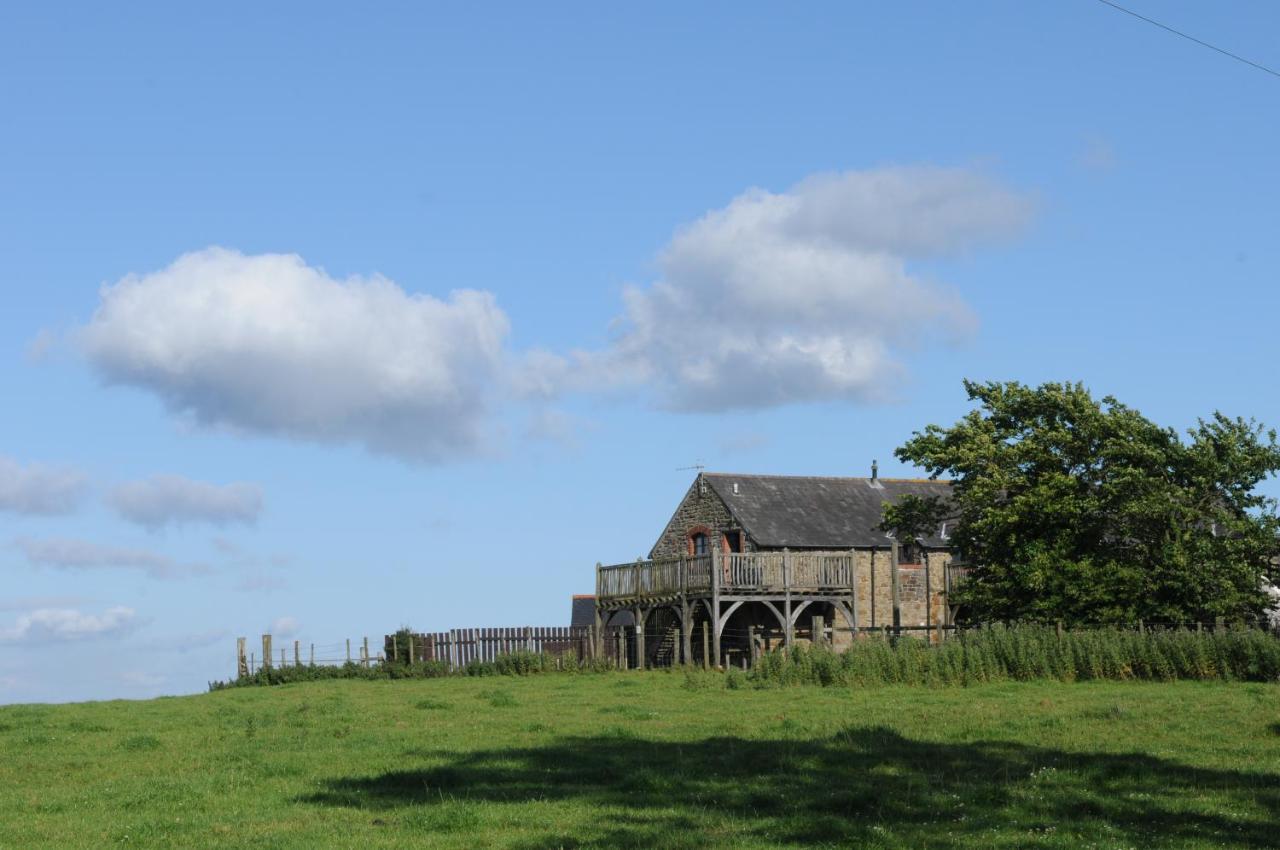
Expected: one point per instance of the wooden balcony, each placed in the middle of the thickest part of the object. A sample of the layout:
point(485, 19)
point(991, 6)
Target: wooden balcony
point(745, 574)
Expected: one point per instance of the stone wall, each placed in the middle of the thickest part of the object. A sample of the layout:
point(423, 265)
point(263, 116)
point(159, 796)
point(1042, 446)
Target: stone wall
point(701, 507)
point(875, 589)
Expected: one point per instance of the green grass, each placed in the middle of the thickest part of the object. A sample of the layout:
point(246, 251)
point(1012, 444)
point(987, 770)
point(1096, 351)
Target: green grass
point(649, 760)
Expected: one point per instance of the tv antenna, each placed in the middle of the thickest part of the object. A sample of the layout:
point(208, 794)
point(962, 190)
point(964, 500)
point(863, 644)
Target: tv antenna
point(698, 465)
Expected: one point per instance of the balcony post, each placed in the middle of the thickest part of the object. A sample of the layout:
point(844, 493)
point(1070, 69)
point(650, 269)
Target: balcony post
point(686, 615)
point(715, 605)
point(786, 585)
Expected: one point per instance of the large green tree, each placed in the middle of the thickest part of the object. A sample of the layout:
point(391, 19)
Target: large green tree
point(1084, 510)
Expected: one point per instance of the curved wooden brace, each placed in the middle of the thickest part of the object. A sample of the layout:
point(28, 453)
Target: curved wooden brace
point(846, 612)
point(782, 621)
point(724, 619)
point(711, 614)
point(797, 608)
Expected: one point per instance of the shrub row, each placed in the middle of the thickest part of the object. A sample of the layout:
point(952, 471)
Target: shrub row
point(519, 663)
point(1019, 653)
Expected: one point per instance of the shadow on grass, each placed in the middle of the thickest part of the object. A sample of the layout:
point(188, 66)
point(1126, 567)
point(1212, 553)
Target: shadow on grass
point(863, 785)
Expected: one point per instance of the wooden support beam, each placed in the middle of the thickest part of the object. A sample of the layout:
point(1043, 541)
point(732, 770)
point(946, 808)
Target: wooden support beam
point(787, 632)
point(928, 603)
point(715, 604)
point(242, 663)
point(817, 630)
point(706, 643)
point(895, 589)
point(640, 615)
point(686, 631)
point(853, 589)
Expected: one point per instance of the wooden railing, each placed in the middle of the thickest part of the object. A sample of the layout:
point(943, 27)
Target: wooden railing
point(749, 572)
point(661, 577)
point(753, 572)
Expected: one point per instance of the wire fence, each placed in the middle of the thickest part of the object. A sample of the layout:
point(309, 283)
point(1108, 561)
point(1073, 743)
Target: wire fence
point(626, 647)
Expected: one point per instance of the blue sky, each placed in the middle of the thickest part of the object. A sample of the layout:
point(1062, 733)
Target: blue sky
point(330, 320)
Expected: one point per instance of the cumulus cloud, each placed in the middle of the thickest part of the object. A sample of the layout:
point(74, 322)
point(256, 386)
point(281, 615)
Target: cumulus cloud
point(39, 489)
point(166, 499)
point(268, 344)
point(797, 296)
point(70, 554)
point(68, 624)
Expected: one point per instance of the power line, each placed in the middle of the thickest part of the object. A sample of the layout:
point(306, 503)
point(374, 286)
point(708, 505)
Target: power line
point(1167, 28)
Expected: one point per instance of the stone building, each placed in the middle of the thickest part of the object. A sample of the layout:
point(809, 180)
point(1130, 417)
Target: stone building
point(775, 558)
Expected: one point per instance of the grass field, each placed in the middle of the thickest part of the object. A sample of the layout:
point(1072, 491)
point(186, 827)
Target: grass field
point(645, 760)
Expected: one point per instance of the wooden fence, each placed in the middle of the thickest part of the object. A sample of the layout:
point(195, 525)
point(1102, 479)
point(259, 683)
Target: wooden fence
point(458, 647)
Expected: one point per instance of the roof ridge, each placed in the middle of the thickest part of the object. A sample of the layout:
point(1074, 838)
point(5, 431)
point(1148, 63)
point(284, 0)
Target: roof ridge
point(829, 477)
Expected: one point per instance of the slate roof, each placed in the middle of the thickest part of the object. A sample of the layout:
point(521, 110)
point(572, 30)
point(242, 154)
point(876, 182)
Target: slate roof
point(803, 512)
point(584, 611)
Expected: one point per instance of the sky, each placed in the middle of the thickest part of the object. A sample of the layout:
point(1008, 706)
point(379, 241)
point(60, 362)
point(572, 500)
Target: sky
point(323, 320)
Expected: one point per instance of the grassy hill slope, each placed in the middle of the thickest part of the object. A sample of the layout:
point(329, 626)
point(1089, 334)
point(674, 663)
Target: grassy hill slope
point(646, 760)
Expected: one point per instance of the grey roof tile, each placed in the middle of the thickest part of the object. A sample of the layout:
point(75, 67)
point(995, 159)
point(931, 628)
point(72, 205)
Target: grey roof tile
point(817, 513)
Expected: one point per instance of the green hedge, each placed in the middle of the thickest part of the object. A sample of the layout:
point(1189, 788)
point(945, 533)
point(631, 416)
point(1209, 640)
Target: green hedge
point(1021, 653)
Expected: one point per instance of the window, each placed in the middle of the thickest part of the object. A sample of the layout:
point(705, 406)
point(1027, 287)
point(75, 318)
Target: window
point(908, 553)
point(699, 542)
point(733, 541)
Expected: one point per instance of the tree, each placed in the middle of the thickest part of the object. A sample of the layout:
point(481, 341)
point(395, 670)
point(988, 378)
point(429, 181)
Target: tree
point(1084, 510)
point(913, 518)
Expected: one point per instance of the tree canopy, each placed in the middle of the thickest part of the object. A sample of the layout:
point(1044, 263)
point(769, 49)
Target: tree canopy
point(1084, 510)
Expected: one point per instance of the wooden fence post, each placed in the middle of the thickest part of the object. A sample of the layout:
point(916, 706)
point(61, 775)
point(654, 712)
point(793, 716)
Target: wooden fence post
point(706, 645)
point(266, 650)
point(313, 655)
point(818, 630)
point(348, 650)
point(411, 647)
point(365, 649)
point(282, 661)
point(751, 644)
point(297, 653)
point(253, 663)
point(242, 665)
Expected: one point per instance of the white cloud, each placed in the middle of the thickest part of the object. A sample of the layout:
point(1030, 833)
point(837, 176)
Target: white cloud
point(164, 499)
point(70, 554)
point(803, 295)
point(38, 489)
point(67, 624)
point(284, 627)
point(268, 344)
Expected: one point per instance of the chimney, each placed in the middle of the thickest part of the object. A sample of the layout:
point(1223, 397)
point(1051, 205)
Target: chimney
point(875, 471)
